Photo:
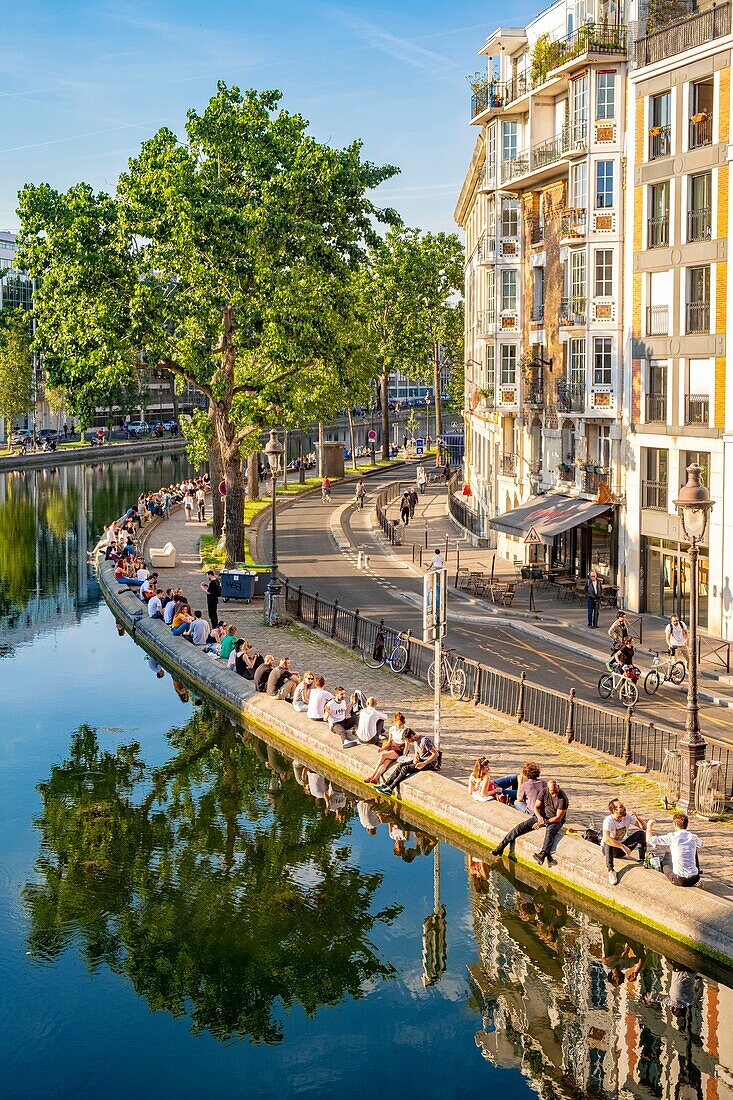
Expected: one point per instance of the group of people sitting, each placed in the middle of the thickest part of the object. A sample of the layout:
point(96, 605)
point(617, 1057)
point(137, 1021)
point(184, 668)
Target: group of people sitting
point(545, 806)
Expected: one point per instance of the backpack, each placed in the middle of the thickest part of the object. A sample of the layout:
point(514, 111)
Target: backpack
point(378, 651)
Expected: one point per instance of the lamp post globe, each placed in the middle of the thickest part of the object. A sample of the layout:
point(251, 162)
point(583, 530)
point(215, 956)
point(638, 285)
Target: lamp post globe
point(693, 505)
point(273, 451)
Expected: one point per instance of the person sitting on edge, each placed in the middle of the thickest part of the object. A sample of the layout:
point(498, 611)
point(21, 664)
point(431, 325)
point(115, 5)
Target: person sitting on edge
point(681, 864)
point(244, 662)
point(622, 831)
point(261, 675)
point(182, 619)
point(198, 630)
point(147, 588)
point(370, 725)
point(341, 717)
point(283, 681)
point(483, 787)
point(169, 611)
point(215, 638)
point(436, 562)
point(301, 695)
point(228, 642)
point(392, 749)
point(530, 787)
point(549, 814)
point(155, 604)
point(318, 699)
point(424, 757)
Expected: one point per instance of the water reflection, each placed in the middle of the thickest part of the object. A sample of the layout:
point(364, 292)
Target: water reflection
point(49, 518)
point(584, 1010)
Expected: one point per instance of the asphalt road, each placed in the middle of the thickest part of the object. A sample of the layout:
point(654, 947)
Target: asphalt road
point(308, 554)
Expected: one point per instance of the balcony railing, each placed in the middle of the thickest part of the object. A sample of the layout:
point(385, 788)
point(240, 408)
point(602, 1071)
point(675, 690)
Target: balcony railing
point(654, 495)
point(701, 132)
point(486, 322)
point(570, 397)
point(660, 142)
point(593, 479)
point(536, 228)
point(509, 464)
point(699, 224)
point(657, 232)
point(534, 394)
point(697, 409)
point(537, 314)
point(572, 311)
point(657, 320)
point(566, 472)
point(683, 34)
point(573, 222)
point(590, 38)
point(698, 317)
point(545, 153)
point(656, 408)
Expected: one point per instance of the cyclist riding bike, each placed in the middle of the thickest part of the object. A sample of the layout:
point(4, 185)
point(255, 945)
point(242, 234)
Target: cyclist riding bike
point(622, 659)
point(326, 491)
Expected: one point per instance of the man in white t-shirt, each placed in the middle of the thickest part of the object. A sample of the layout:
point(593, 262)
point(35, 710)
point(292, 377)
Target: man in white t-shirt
point(436, 562)
point(155, 605)
point(680, 865)
point(678, 638)
point(370, 724)
point(317, 699)
point(622, 832)
point(341, 718)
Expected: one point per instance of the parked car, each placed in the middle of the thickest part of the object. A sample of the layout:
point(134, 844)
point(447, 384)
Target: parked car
point(47, 433)
point(18, 435)
point(137, 427)
point(170, 425)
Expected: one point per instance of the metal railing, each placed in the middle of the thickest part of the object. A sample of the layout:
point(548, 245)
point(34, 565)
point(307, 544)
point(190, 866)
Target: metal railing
point(572, 311)
point(697, 317)
point(660, 142)
point(701, 133)
point(657, 231)
point(683, 34)
point(656, 408)
point(697, 409)
point(593, 479)
point(566, 472)
point(509, 464)
point(537, 314)
point(654, 495)
point(570, 397)
point(589, 38)
point(534, 394)
point(573, 222)
point(657, 320)
point(699, 224)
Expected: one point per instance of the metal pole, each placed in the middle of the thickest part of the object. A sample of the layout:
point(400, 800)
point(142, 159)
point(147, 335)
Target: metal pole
point(436, 694)
point(273, 575)
point(692, 745)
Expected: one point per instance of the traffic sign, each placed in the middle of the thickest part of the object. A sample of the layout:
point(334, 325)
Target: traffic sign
point(420, 446)
point(532, 538)
point(223, 488)
point(372, 436)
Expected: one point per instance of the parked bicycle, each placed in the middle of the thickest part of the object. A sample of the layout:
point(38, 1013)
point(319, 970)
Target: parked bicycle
point(385, 649)
point(662, 672)
point(622, 684)
point(452, 674)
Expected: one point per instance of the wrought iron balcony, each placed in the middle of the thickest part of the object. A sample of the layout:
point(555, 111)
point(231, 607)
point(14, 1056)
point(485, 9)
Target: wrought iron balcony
point(683, 34)
point(534, 394)
point(656, 408)
point(657, 232)
point(573, 222)
point(699, 224)
point(570, 397)
point(697, 409)
point(572, 311)
point(657, 320)
point(537, 314)
point(701, 132)
point(594, 477)
point(509, 464)
point(660, 142)
point(698, 317)
point(654, 495)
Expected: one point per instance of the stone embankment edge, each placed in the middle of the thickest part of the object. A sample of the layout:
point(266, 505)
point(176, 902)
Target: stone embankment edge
point(115, 452)
point(696, 919)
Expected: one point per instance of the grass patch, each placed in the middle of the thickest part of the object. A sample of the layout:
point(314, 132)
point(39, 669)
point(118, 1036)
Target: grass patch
point(212, 557)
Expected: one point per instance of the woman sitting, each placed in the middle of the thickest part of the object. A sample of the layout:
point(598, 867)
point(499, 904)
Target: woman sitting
point(392, 749)
point(302, 693)
point(483, 787)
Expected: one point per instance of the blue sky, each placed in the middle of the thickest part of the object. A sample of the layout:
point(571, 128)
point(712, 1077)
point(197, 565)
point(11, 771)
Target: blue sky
point(81, 86)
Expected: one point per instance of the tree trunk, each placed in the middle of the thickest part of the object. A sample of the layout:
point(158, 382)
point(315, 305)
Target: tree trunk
point(234, 526)
point(384, 383)
point(352, 437)
point(436, 392)
point(321, 441)
point(253, 476)
point(174, 399)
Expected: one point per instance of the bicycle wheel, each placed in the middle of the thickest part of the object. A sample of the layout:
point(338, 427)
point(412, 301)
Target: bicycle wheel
point(677, 673)
point(651, 682)
point(628, 693)
point(605, 686)
point(373, 655)
point(457, 683)
point(431, 676)
point(398, 660)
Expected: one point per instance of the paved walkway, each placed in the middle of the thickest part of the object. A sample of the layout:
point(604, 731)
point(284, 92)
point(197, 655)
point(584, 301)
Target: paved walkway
point(466, 732)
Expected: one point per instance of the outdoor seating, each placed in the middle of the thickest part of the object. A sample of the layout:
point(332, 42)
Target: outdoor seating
point(163, 557)
point(463, 580)
point(502, 593)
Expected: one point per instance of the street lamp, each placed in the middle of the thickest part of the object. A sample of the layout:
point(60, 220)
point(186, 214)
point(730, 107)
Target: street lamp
point(693, 507)
point(427, 418)
point(273, 450)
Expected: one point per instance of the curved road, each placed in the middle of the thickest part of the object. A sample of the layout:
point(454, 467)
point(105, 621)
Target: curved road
point(317, 546)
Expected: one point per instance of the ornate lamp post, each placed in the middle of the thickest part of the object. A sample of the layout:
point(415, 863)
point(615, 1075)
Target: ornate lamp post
point(273, 450)
point(427, 418)
point(693, 506)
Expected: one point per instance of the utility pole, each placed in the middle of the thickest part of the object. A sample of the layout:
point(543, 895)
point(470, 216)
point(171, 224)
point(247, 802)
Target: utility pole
point(435, 592)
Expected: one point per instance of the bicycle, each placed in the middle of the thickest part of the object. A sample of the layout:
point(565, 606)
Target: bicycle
point(385, 650)
point(620, 684)
point(661, 672)
point(452, 675)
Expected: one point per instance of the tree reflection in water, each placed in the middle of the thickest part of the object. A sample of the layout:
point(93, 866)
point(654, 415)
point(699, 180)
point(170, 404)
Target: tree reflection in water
point(584, 1010)
point(217, 889)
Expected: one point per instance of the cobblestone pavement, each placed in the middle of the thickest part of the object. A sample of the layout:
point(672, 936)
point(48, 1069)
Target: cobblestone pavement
point(466, 731)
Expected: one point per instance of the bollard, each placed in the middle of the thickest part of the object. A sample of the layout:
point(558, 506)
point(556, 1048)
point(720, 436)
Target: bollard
point(627, 736)
point(367, 559)
point(570, 726)
point(360, 559)
point(426, 534)
point(299, 608)
point(520, 700)
point(315, 611)
point(446, 548)
point(477, 686)
point(355, 635)
point(333, 618)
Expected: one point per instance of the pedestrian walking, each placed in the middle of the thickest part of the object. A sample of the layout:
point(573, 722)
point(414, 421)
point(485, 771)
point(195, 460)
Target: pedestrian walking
point(66, 429)
point(421, 479)
point(593, 599)
point(405, 509)
point(447, 471)
point(188, 504)
point(201, 506)
point(412, 494)
point(213, 592)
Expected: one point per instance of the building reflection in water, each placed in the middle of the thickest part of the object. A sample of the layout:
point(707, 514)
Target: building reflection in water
point(586, 1011)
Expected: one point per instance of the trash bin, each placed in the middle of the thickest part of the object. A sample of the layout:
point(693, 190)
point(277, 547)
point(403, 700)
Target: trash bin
point(236, 584)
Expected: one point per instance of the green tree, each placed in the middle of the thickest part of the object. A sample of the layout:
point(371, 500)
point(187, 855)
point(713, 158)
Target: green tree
point(225, 259)
point(191, 882)
point(16, 365)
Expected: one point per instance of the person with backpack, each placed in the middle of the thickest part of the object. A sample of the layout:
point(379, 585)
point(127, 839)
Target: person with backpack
point(405, 508)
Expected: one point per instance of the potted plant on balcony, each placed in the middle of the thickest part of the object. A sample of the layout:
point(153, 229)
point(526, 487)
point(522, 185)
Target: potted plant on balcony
point(655, 131)
point(701, 116)
point(542, 55)
point(564, 468)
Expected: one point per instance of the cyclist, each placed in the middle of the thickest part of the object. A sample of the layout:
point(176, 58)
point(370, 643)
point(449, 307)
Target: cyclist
point(326, 491)
point(623, 657)
point(359, 494)
point(677, 637)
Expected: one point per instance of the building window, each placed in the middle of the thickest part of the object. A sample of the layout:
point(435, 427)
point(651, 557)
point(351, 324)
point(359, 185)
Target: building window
point(580, 185)
point(490, 370)
point(698, 299)
point(701, 114)
point(577, 365)
point(604, 184)
point(658, 225)
point(491, 153)
point(508, 289)
point(490, 297)
point(509, 217)
point(580, 109)
point(655, 478)
point(508, 364)
point(509, 140)
point(602, 361)
point(604, 273)
point(660, 129)
point(538, 294)
point(605, 96)
point(699, 207)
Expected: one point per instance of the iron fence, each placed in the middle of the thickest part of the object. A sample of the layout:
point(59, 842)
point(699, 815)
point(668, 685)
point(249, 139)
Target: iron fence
point(683, 34)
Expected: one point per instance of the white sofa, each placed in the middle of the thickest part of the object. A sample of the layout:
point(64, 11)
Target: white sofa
point(163, 557)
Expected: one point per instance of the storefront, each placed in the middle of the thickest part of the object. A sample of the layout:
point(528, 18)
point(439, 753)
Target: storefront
point(664, 580)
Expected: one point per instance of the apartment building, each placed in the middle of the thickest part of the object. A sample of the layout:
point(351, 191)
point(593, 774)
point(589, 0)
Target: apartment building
point(678, 405)
point(542, 207)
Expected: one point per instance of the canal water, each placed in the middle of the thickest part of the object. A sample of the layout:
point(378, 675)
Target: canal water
point(184, 911)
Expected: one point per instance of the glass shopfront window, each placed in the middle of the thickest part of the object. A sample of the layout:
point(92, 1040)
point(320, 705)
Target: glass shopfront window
point(665, 580)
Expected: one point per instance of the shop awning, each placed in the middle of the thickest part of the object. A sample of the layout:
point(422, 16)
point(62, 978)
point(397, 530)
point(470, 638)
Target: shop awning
point(549, 515)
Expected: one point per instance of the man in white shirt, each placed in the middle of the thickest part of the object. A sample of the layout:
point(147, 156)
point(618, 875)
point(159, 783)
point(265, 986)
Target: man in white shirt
point(318, 699)
point(341, 718)
point(680, 864)
point(155, 605)
point(436, 562)
point(370, 725)
point(142, 574)
point(678, 637)
point(622, 832)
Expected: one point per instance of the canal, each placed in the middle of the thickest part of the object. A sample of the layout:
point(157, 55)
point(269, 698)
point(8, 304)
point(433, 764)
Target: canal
point(185, 911)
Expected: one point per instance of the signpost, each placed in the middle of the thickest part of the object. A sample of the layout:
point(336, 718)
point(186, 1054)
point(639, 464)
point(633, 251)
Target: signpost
point(435, 624)
point(419, 447)
point(532, 539)
point(372, 438)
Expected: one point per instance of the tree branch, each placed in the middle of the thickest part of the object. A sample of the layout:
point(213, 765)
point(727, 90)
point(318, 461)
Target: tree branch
point(176, 368)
